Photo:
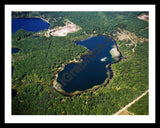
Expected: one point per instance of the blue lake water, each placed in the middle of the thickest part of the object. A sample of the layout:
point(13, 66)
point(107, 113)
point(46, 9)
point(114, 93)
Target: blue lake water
point(92, 70)
point(15, 50)
point(29, 24)
point(76, 76)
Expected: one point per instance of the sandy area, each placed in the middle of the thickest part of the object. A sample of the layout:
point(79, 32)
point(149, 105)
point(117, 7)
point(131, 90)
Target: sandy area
point(122, 37)
point(123, 113)
point(114, 52)
point(143, 17)
point(126, 35)
point(63, 30)
point(103, 59)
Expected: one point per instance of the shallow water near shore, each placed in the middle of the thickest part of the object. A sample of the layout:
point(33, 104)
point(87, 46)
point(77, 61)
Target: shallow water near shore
point(92, 70)
point(80, 76)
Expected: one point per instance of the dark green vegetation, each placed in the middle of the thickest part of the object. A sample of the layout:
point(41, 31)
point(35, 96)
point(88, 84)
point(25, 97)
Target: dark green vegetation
point(55, 19)
point(39, 58)
point(140, 107)
point(20, 34)
point(100, 22)
point(43, 56)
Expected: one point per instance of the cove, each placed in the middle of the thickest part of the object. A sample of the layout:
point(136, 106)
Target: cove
point(93, 71)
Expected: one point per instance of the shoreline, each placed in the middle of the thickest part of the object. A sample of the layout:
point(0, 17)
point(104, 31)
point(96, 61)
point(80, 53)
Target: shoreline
point(69, 27)
point(16, 47)
point(95, 87)
point(36, 17)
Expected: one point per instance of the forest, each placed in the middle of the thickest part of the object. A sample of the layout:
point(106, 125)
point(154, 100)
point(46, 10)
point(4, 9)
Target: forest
point(38, 60)
point(100, 22)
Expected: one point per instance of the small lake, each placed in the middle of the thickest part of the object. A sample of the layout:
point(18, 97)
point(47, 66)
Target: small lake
point(15, 50)
point(92, 70)
point(28, 24)
point(81, 76)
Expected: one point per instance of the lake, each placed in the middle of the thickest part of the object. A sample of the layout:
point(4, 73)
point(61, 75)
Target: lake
point(92, 70)
point(28, 24)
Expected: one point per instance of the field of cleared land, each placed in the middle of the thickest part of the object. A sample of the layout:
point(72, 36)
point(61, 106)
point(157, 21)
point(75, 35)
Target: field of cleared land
point(69, 27)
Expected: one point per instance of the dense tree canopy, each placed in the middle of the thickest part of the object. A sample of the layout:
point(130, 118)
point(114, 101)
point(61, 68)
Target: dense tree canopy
point(38, 60)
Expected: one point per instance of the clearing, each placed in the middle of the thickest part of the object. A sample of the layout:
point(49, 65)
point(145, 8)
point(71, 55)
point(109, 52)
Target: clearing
point(143, 17)
point(126, 35)
point(69, 27)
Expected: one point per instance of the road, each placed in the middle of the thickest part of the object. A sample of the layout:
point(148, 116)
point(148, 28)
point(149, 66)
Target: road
point(131, 41)
point(127, 106)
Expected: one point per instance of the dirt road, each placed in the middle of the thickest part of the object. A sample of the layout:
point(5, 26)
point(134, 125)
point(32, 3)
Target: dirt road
point(127, 106)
